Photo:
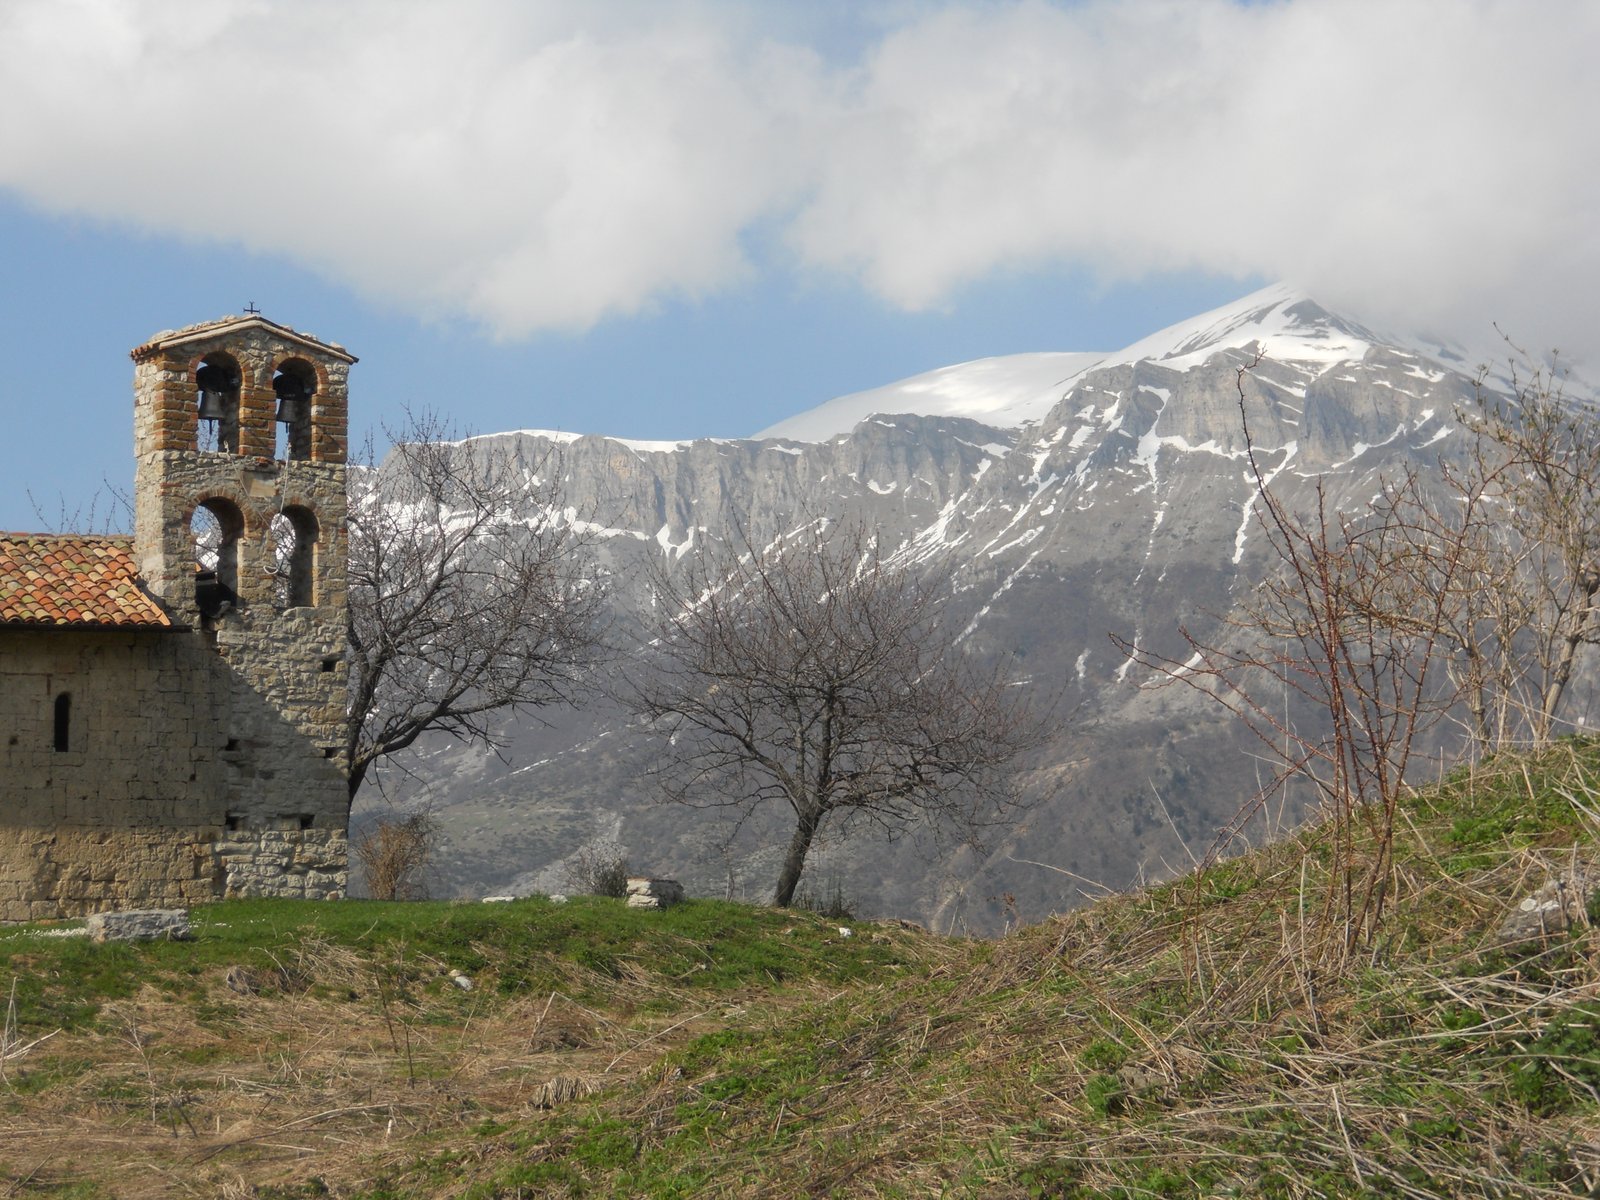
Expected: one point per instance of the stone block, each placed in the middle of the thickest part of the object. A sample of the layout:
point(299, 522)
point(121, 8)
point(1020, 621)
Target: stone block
point(1561, 904)
point(140, 925)
point(644, 892)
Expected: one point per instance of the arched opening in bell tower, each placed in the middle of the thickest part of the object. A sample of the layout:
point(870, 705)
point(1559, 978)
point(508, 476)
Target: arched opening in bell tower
point(217, 380)
point(294, 549)
point(214, 532)
point(294, 383)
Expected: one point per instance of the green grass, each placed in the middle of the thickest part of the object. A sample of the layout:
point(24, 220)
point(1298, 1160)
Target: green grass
point(511, 948)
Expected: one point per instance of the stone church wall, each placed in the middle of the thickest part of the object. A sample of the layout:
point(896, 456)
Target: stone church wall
point(177, 784)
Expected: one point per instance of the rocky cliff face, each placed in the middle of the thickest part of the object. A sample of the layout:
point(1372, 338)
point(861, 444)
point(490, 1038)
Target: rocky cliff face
point(1115, 500)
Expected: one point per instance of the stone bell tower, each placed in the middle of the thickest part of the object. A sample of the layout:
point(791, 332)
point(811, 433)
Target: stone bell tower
point(241, 446)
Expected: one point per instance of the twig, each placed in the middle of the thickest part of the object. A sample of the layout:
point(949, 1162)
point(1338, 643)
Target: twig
point(325, 1115)
point(660, 1033)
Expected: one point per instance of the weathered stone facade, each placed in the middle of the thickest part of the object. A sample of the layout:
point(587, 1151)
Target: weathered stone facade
point(204, 758)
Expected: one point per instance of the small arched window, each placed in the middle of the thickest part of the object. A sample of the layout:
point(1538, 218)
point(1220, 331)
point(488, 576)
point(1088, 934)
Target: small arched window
point(294, 557)
point(64, 722)
point(214, 532)
point(217, 381)
point(294, 383)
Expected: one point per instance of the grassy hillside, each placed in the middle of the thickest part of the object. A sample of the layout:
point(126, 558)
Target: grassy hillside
point(1208, 1037)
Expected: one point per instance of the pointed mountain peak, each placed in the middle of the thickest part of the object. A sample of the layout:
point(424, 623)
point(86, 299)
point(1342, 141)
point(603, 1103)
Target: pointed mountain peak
point(1281, 319)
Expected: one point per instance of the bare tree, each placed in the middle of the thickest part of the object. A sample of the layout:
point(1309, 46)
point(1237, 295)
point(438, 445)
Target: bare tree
point(1470, 598)
point(1503, 555)
point(470, 596)
point(1538, 458)
point(1337, 666)
point(1485, 620)
point(813, 674)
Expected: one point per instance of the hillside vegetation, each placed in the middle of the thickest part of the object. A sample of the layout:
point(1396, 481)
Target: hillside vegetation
point(1208, 1037)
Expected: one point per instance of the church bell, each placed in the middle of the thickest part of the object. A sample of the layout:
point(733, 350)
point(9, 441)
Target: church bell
point(216, 385)
point(294, 398)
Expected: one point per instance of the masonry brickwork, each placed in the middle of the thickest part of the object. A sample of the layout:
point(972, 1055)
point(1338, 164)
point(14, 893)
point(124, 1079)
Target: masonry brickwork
point(208, 758)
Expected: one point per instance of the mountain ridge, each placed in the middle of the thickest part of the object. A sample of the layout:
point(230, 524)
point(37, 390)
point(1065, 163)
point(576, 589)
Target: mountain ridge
point(1123, 506)
point(1016, 390)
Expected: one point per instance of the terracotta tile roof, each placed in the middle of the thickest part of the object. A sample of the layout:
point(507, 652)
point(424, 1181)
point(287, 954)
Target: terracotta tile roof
point(72, 579)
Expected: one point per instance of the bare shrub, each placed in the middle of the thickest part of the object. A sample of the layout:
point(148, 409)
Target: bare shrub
point(394, 854)
point(600, 870)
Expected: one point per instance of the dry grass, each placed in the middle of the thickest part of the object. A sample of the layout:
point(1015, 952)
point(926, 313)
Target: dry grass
point(12, 1048)
point(302, 1085)
point(1182, 1041)
point(337, 1064)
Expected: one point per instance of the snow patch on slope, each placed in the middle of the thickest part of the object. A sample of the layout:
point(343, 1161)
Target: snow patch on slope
point(1288, 451)
point(1004, 392)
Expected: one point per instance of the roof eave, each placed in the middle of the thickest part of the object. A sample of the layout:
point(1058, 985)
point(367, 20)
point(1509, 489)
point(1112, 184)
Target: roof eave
point(208, 331)
point(100, 626)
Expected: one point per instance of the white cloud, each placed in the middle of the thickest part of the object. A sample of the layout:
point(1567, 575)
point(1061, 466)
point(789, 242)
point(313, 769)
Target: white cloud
point(549, 165)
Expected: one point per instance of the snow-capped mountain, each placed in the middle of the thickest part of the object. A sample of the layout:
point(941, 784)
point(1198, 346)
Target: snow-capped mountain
point(1079, 495)
point(1020, 389)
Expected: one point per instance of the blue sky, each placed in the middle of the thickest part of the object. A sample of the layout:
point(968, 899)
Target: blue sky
point(666, 220)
